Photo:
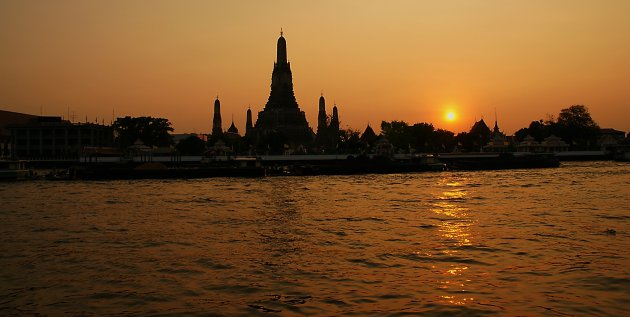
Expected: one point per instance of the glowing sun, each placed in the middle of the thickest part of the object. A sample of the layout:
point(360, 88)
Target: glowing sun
point(450, 116)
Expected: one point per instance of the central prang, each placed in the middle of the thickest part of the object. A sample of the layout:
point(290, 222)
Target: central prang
point(282, 120)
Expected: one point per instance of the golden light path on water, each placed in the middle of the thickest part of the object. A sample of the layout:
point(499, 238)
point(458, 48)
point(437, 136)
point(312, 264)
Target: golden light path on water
point(455, 229)
point(520, 242)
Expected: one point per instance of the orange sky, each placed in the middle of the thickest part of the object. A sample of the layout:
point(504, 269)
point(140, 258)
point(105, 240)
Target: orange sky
point(378, 60)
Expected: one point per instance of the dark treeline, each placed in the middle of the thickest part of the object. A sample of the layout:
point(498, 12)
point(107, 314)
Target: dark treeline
point(574, 125)
point(420, 137)
point(148, 130)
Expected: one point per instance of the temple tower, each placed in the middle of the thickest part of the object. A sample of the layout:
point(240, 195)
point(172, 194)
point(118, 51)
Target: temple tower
point(333, 129)
point(281, 95)
point(322, 123)
point(282, 117)
point(496, 124)
point(334, 120)
point(249, 127)
point(281, 50)
point(233, 129)
point(216, 121)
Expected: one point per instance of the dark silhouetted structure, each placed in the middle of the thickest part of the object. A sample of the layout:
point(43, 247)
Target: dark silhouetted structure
point(233, 129)
point(498, 141)
point(7, 119)
point(333, 128)
point(49, 137)
point(322, 122)
point(327, 137)
point(369, 136)
point(282, 121)
point(217, 130)
point(249, 127)
point(479, 134)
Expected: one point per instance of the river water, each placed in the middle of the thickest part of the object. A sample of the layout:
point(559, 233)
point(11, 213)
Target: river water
point(542, 242)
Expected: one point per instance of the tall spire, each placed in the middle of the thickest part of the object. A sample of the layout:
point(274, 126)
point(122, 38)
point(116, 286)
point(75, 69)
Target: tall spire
point(282, 113)
point(322, 104)
point(321, 116)
point(333, 128)
point(249, 126)
point(232, 129)
point(334, 120)
point(282, 50)
point(496, 122)
point(281, 95)
point(216, 121)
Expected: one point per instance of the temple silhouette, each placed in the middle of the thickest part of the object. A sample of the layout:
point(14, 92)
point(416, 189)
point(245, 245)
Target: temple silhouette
point(282, 123)
point(327, 136)
point(282, 117)
point(216, 120)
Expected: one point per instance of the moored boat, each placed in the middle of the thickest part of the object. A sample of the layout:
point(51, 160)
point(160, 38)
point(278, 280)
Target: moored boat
point(502, 161)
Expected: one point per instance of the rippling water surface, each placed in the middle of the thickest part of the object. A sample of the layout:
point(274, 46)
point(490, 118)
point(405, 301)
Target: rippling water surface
point(522, 242)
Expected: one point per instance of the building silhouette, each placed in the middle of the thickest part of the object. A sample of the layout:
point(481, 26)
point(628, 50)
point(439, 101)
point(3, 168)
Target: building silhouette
point(327, 136)
point(7, 119)
point(368, 137)
point(322, 122)
point(498, 141)
point(249, 127)
point(233, 129)
point(333, 128)
point(479, 135)
point(49, 137)
point(217, 130)
point(281, 122)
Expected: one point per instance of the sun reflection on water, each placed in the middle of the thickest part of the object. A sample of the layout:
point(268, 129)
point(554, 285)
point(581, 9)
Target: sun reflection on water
point(455, 228)
point(457, 270)
point(457, 301)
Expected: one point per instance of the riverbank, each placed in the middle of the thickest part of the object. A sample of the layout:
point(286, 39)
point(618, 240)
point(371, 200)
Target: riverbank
point(165, 167)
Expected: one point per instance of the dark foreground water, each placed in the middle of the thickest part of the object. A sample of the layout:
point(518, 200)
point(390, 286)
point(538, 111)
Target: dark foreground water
point(522, 242)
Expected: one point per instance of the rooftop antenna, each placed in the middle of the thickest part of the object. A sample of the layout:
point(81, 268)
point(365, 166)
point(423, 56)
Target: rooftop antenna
point(280, 31)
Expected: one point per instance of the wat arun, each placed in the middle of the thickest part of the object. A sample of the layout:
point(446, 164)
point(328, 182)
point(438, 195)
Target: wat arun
point(282, 120)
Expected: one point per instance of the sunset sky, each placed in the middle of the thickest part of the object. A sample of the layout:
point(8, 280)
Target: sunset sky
point(378, 60)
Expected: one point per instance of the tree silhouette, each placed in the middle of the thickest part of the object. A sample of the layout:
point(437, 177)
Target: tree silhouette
point(191, 145)
point(350, 141)
point(576, 127)
point(151, 131)
point(538, 130)
point(422, 134)
point(398, 133)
